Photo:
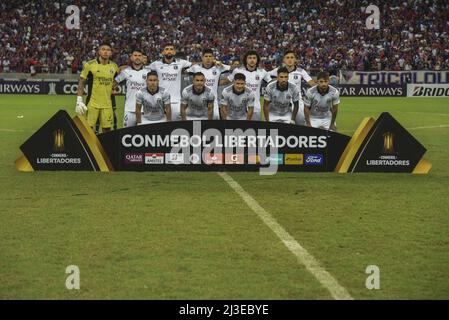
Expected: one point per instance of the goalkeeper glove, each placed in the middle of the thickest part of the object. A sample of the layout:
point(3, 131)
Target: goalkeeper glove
point(80, 107)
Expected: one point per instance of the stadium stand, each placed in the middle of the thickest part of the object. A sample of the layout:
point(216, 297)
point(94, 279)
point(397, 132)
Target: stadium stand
point(328, 34)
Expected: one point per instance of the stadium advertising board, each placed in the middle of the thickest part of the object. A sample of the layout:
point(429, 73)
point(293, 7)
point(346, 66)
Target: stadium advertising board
point(357, 90)
point(44, 87)
point(427, 90)
point(394, 77)
point(63, 143)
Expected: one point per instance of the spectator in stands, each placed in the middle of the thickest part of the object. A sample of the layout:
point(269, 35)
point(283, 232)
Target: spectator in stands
point(323, 33)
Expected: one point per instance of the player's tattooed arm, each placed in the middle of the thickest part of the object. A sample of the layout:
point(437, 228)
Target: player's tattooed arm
point(138, 113)
point(295, 110)
point(334, 116)
point(80, 91)
point(183, 111)
point(223, 112)
point(266, 110)
point(249, 114)
point(210, 110)
point(307, 115)
point(168, 112)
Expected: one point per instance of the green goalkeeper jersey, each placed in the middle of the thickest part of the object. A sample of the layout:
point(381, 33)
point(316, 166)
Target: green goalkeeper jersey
point(100, 78)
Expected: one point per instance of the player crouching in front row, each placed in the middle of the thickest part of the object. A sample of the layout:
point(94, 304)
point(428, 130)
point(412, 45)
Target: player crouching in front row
point(197, 100)
point(237, 101)
point(321, 104)
point(155, 101)
point(278, 99)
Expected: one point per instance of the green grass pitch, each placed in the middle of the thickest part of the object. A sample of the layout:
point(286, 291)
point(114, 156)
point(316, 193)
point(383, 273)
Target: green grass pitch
point(190, 236)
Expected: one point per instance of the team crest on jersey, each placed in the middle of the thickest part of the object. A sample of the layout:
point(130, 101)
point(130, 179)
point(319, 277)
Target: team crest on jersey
point(175, 67)
point(257, 78)
point(288, 96)
point(214, 73)
point(295, 77)
point(144, 76)
point(111, 71)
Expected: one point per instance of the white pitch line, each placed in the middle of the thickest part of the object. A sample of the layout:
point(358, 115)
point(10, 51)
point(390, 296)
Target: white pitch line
point(413, 128)
point(304, 257)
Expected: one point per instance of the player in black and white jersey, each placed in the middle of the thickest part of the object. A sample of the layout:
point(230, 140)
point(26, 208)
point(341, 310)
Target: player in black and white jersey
point(135, 76)
point(254, 78)
point(197, 101)
point(212, 70)
point(154, 100)
point(278, 99)
point(321, 104)
point(170, 70)
point(237, 101)
point(295, 75)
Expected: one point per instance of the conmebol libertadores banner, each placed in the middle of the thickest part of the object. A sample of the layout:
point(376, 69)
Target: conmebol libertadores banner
point(63, 143)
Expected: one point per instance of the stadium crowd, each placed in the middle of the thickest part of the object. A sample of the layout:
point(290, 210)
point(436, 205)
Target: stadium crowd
point(328, 34)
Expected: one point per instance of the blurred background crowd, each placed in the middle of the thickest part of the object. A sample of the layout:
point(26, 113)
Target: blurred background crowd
point(325, 34)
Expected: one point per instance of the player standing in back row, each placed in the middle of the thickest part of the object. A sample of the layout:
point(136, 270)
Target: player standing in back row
point(170, 71)
point(135, 76)
point(99, 74)
point(254, 77)
point(295, 75)
point(321, 104)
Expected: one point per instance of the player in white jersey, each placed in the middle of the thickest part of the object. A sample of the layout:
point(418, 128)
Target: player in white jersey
point(278, 99)
point(295, 75)
point(154, 100)
point(237, 101)
point(135, 76)
point(170, 71)
point(321, 104)
point(212, 70)
point(254, 77)
point(197, 102)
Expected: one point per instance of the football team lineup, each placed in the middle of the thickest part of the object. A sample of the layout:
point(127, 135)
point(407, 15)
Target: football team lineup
point(153, 97)
point(224, 159)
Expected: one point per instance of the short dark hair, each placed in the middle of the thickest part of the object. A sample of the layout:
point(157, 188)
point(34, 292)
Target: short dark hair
point(104, 43)
point(168, 44)
point(152, 73)
point(322, 75)
point(207, 50)
point(251, 53)
point(282, 70)
point(289, 51)
point(136, 50)
point(198, 74)
point(240, 76)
